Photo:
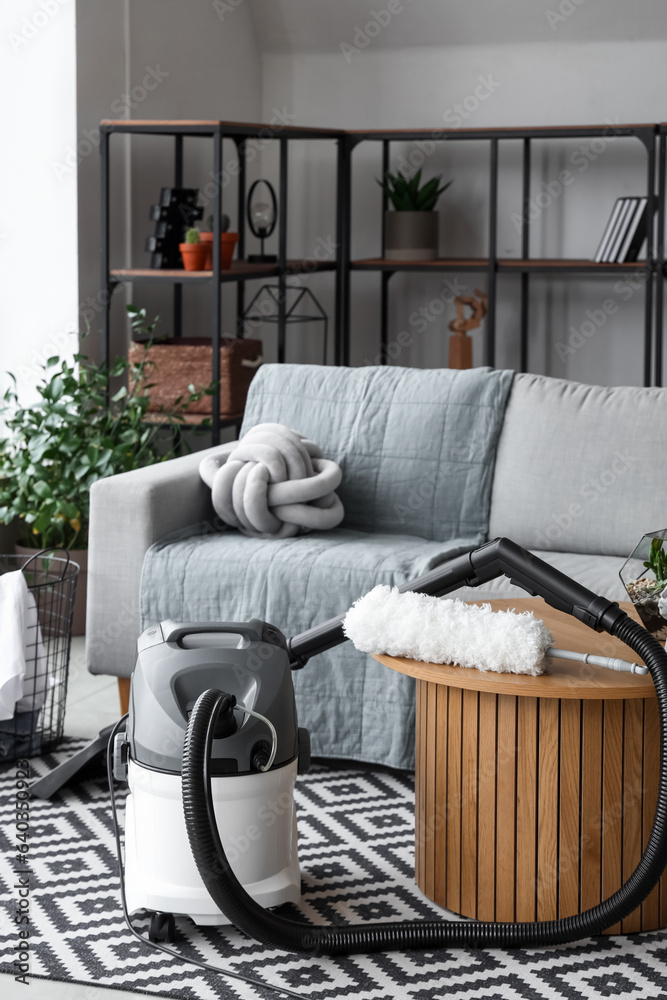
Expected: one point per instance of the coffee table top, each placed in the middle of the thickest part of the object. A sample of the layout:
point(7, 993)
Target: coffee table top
point(563, 678)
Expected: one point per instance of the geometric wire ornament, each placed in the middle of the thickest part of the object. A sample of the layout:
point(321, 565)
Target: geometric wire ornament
point(267, 310)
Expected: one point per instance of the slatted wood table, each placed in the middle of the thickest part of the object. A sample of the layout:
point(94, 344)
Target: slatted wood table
point(535, 795)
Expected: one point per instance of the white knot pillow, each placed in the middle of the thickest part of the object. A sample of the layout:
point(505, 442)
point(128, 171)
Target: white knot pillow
point(274, 483)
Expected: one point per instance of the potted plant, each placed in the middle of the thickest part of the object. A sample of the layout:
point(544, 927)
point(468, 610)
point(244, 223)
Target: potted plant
point(227, 243)
point(644, 576)
point(411, 229)
point(54, 449)
point(193, 251)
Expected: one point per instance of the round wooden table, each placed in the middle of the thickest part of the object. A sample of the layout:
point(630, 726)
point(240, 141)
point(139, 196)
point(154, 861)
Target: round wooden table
point(535, 795)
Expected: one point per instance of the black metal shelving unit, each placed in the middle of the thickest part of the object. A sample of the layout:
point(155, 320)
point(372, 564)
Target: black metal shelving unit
point(241, 270)
point(651, 136)
point(659, 253)
point(492, 265)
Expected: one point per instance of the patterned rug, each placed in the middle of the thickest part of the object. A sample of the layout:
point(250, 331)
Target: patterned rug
point(356, 850)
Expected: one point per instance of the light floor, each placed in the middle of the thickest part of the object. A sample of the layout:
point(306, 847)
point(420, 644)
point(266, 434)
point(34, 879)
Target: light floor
point(92, 703)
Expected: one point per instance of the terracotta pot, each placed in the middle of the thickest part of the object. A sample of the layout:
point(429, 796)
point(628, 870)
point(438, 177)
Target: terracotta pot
point(227, 243)
point(207, 241)
point(411, 235)
point(80, 557)
point(193, 256)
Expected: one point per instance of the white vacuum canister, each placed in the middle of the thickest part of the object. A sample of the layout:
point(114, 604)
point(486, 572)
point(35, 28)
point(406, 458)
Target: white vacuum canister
point(257, 823)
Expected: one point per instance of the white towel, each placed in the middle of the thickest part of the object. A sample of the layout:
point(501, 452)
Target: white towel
point(23, 673)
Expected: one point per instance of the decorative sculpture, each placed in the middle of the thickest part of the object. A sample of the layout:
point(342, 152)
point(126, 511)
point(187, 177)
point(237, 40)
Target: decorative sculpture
point(460, 344)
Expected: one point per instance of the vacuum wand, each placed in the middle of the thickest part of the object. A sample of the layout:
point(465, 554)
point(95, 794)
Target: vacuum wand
point(610, 662)
point(500, 557)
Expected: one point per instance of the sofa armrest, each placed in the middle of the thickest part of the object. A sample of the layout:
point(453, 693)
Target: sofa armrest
point(128, 513)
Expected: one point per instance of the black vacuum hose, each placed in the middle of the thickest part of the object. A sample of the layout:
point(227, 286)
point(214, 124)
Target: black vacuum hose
point(271, 929)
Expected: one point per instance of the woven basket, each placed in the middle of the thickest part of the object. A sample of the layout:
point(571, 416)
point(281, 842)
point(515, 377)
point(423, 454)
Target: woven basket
point(179, 363)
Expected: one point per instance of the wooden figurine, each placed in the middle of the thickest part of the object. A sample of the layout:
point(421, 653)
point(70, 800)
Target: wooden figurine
point(460, 344)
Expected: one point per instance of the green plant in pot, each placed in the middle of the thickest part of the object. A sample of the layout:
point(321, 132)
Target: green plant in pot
point(54, 449)
point(193, 251)
point(227, 243)
point(411, 229)
point(644, 576)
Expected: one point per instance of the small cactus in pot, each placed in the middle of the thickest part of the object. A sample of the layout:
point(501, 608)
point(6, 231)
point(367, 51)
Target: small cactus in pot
point(193, 251)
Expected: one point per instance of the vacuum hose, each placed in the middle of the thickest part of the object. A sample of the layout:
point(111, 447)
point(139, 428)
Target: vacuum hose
point(290, 935)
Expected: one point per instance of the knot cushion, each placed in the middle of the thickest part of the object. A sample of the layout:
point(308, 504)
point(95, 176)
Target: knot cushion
point(274, 483)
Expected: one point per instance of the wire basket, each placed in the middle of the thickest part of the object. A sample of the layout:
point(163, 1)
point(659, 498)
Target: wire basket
point(36, 726)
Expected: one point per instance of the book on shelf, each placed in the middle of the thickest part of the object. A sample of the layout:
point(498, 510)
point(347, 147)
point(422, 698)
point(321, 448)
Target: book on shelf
point(636, 232)
point(625, 231)
point(609, 229)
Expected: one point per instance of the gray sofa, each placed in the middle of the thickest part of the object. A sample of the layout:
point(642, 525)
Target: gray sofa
point(434, 463)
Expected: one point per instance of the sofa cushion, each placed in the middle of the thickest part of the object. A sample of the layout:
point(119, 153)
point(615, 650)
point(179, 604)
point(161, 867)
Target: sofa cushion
point(580, 468)
point(416, 447)
point(354, 707)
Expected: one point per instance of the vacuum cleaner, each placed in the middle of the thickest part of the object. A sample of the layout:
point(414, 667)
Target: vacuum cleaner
point(212, 749)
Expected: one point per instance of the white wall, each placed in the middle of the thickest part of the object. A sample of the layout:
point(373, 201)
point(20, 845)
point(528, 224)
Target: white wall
point(38, 218)
point(558, 80)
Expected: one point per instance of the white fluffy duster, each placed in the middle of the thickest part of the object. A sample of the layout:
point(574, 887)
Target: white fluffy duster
point(440, 630)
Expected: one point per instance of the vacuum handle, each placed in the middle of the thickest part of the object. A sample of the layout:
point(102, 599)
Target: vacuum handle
point(251, 630)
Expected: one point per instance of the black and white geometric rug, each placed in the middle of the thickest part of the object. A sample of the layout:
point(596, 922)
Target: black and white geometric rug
point(356, 847)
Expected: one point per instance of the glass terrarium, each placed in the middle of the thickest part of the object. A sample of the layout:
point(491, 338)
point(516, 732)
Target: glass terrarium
point(644, 576)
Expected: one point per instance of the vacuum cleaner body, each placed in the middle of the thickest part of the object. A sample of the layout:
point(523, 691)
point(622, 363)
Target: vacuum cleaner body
point(254, 808)
point(207, 786)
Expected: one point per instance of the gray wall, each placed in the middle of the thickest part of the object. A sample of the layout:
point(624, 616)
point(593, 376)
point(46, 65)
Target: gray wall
point(602, 62)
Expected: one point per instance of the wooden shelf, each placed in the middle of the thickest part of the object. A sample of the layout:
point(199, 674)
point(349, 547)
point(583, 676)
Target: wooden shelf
point(508, 264)
point(550, 265)
point(210, 127)
point(241, 270)
point(442, 264)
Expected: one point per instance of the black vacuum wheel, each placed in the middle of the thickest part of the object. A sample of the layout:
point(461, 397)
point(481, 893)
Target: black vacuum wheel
point(162, 928)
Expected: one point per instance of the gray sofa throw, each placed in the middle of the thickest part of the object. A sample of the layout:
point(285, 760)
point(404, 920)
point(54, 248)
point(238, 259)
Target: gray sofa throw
point(274, 483)
point(417, 450)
